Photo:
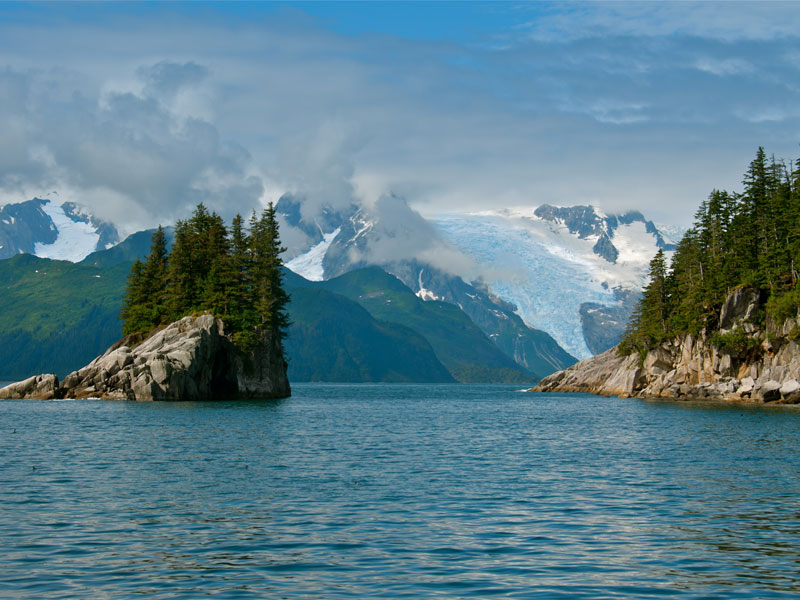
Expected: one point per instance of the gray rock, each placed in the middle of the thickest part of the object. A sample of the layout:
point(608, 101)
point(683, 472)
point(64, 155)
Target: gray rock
point(738, 306)
point(789, 387)
point(190, 359)
point(38, 387)
point(769, 391)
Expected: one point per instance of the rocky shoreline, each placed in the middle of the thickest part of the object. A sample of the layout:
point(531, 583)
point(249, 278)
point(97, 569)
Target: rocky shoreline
point(190, 359)
point(688, 367)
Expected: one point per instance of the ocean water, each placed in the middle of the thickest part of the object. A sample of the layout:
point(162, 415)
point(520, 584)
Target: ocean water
point(391, 491)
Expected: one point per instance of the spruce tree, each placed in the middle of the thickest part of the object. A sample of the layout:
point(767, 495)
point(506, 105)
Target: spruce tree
point(155, 277)
point(237, 275)
point(135, 314)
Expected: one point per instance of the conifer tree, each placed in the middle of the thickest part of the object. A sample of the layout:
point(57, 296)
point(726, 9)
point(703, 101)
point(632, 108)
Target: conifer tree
point(135, 314)
point(750, 239)
point(237, 275)
point(267, 266)
point(155, 277)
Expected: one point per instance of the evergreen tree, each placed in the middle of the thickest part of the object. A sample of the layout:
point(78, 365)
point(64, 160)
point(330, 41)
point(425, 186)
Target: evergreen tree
point(749, 239)
point(237, 275)
point(135, 313)
point(155, 277)
point(267, 269)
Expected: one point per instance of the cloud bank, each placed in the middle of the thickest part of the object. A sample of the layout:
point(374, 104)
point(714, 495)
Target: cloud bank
point(146, 110)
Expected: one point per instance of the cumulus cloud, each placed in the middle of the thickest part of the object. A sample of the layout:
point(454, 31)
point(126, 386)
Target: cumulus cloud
point(126, 155)
point(645, 106)
point(399, 233)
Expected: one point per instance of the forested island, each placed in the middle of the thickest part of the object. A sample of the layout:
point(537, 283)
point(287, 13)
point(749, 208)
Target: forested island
point(235, 274)
point(203, 320)
point(721, 320)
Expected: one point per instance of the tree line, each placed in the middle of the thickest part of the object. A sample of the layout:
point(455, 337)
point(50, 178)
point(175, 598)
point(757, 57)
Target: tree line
point(235, 273)
point(750, 239)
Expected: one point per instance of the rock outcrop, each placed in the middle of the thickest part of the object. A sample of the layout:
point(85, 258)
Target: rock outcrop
point(761, 368)
point(190, 359)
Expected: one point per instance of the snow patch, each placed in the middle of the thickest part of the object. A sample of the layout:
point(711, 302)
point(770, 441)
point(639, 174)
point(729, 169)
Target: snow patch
point(309, 264)
point(423, 293)
point(75, 241)
point(635, 245)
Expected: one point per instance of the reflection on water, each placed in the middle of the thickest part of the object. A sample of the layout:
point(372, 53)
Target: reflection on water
point(399, 492)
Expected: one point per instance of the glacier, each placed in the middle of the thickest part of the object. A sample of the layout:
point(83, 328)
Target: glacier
point(309, 264)
point(546, 271)
point(76, 240)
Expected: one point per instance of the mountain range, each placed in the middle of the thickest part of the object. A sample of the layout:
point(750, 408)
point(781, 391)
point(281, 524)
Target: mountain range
point(64, 231)
point(509, 295)
point(574, 273)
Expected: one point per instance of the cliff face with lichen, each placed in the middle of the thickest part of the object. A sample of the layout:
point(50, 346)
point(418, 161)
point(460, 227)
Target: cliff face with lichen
point(742, 361)
point(191, 359)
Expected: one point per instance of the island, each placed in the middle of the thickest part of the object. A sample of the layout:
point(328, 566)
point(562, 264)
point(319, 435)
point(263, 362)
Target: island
point(205, 320)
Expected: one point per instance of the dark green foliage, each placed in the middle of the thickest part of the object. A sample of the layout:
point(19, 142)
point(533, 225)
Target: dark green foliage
point(751, 239)
point(736, 343)
point(145, 304)
point(237, 275)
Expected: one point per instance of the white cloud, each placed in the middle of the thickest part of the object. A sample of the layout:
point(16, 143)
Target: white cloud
point(730, 66)
point(645, 106)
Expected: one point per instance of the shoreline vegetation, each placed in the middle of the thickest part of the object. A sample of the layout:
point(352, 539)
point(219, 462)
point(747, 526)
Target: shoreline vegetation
point(721, 320)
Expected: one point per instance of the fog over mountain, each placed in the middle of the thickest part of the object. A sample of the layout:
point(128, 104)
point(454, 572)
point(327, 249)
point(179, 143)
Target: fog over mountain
point(141, 111)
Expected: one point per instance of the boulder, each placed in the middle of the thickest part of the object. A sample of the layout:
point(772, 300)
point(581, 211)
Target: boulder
point(769, 391)
point(38, 387)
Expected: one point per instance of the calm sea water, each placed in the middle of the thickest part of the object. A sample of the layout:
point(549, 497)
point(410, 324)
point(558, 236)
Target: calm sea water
point(399, 492)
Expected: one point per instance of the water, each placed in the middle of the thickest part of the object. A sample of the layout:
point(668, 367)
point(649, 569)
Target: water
point(399, 492)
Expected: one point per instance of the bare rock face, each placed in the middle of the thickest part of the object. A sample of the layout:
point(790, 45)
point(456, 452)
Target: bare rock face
point(38, 386)
point(692, 368)
point(739, 306)
point(605, 374)
point(190, 359)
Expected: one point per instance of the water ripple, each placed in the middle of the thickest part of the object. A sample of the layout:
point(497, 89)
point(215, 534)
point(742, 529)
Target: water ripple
point(399, 492)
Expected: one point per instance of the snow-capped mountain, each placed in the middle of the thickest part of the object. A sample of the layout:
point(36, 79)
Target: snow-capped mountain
point(573, 272)
point(49, 230)
point(393, 236)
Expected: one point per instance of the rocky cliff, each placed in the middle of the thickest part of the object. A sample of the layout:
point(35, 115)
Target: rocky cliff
point(190, 359)
point(741, 361)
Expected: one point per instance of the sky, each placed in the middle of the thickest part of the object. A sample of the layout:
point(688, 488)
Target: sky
point(141, 110)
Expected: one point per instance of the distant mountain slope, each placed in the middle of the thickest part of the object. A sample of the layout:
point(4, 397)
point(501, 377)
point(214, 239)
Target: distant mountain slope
point(56, 316)
point(573, 272)
point(134, 246)
point(334, 339)
point(461, 346)
point(50, 230)
point(391, 235)
point(555, 282)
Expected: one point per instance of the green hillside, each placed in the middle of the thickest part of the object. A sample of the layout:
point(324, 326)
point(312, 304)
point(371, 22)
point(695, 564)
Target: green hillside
point(334, 339)
point(458, 343)
point(56, 316)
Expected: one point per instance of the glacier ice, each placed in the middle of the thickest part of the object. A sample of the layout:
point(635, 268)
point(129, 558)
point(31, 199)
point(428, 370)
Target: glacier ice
point(547, 271)
point(76, 240)
point(309, 264)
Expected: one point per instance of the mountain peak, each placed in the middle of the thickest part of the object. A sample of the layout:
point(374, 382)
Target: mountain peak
point(49, 230)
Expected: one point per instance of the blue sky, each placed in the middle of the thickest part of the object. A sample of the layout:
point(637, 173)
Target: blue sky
point(141, 110)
